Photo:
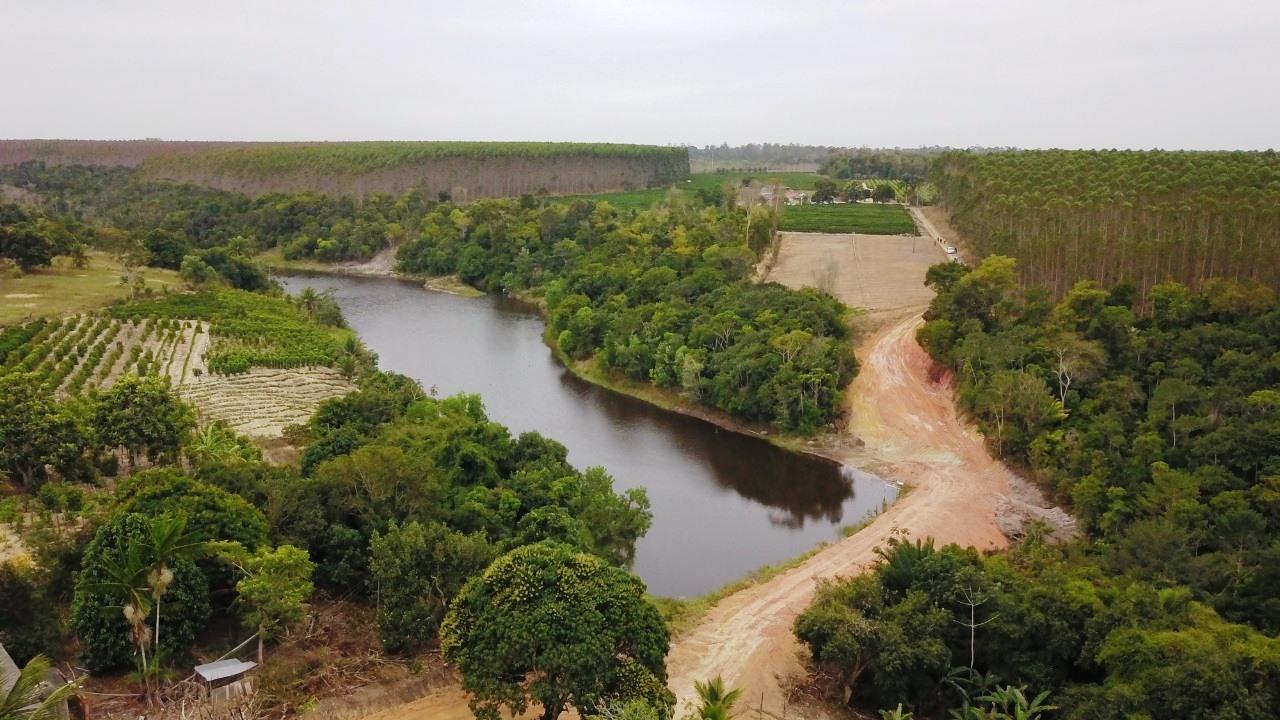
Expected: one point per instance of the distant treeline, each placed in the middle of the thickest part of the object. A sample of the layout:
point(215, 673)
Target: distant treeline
point(842, 162)
point(768, 156)
point(909, 165)
point(1119, 216)
point(464, 170)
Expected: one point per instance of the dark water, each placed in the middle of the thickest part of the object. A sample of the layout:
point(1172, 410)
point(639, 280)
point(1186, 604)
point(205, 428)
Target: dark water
point(723, 503)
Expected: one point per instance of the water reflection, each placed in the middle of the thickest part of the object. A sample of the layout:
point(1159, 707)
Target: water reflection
point(723, 503)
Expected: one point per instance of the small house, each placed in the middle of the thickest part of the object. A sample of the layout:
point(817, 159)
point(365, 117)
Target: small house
point(226, 679)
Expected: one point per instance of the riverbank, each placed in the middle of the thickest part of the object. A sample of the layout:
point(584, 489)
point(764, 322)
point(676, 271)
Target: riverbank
point(381, 265)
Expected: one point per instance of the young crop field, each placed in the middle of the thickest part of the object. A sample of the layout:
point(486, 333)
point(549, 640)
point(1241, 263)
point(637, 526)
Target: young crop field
point(253, 361)
point(866, 218)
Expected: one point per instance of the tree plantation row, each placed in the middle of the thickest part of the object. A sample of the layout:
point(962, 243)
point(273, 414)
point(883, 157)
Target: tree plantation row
point(1113, 216)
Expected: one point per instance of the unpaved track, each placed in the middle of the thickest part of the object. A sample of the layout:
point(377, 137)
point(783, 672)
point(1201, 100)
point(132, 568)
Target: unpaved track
point(912, 435)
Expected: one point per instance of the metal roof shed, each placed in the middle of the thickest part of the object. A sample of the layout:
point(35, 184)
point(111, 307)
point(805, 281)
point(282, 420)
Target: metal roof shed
point(223, 672)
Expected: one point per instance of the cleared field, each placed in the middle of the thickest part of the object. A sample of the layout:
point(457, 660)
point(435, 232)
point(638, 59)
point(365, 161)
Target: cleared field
point(63, 289)
point(881, 273)
point(871, 219)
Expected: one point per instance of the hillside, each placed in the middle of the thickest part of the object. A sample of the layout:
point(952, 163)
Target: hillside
point(1119, 216)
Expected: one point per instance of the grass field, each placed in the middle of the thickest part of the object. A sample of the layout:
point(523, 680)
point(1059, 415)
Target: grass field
point(848, 218)
point(62, 289)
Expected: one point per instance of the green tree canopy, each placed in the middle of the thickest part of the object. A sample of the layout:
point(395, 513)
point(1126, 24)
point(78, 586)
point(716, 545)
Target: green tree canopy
point(549, 624)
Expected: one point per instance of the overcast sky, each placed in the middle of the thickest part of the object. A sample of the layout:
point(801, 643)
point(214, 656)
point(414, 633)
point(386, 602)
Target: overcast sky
point(1199, 74)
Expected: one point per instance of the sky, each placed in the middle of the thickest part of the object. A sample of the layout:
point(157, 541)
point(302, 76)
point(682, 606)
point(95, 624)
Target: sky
point(880, 73)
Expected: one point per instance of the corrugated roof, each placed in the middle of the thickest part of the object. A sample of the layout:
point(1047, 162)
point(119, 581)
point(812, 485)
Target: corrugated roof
point(8, 672)
point(224, 669)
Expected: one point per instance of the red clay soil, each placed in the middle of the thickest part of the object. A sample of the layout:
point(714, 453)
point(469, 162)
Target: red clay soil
point(912, 436)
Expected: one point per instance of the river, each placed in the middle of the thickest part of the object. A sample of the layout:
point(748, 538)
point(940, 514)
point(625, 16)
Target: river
point(723, 503)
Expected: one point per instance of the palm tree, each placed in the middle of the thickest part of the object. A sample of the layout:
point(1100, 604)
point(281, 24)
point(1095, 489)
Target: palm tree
point(167, 541)
point(26, 700)
point(717, 703)
point(308, 300)
point(127, 581)
point(141, 576)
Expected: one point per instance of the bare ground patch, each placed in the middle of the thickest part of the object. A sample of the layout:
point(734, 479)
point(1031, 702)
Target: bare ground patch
point(882, 273)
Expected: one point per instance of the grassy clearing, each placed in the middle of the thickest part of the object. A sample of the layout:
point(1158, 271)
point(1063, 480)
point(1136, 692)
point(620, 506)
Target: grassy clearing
point(848, 218)
point(63, 289)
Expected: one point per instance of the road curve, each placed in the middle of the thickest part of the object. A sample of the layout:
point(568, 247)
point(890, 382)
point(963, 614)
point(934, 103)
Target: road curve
point(906, 419)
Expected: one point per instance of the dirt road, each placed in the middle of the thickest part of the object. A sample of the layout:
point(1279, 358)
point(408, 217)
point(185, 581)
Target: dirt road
point(913, 436)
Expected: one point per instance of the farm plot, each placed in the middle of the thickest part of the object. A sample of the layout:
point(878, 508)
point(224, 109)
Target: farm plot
point(82, 352)
point(871, 219)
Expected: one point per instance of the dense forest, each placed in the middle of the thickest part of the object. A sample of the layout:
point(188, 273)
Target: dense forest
point(1163, 434)
point(1113, 216)
point(662, 296)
